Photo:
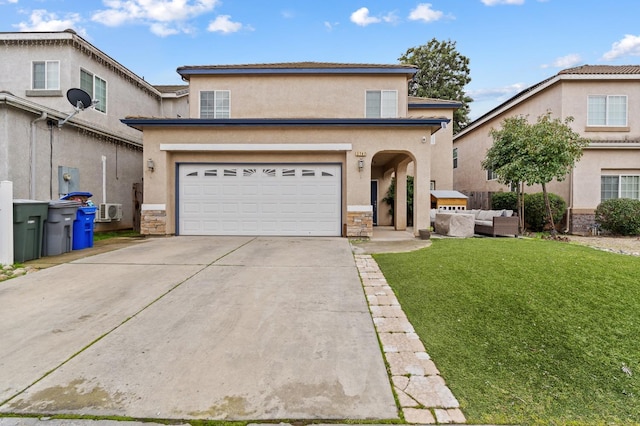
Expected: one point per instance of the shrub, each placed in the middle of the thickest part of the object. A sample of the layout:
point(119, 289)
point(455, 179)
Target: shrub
point(619, 216)
point(391, 195)
point(535, 213)
point(504, 201)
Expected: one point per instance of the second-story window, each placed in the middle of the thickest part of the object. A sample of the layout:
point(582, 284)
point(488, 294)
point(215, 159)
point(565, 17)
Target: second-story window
point(607, 110)
point(455, 158)
point(96, 88)
point(381, 104)
point(46, 75)
point(215, 104)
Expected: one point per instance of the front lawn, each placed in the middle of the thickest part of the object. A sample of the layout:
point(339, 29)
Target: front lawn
point(527, 331)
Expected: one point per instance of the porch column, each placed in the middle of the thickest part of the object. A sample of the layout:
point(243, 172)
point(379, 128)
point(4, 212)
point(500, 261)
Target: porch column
point(400, 207)
point(421, 195)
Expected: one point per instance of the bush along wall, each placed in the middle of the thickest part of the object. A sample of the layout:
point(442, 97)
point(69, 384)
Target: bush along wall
point(535, 214)
point(619, 216)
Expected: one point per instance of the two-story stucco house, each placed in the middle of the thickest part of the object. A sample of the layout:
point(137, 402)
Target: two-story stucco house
point(293, 149)
point(48, 152)
point(605, 104)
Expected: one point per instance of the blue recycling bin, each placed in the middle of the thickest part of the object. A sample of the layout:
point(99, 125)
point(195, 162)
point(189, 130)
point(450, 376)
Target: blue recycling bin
point(83, 227)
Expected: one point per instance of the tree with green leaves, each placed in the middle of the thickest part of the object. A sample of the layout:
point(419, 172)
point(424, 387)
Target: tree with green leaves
point(534, 153)
point(442, 74)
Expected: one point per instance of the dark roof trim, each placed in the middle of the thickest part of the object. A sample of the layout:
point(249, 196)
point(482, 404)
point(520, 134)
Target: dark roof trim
point(434, 105)
point(139, 123)
point(297, 68)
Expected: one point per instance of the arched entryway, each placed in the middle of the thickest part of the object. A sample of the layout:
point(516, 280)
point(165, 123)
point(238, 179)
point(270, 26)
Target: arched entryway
point(395, 166)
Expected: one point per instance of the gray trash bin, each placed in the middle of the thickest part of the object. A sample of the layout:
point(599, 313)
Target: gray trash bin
point(58, 229)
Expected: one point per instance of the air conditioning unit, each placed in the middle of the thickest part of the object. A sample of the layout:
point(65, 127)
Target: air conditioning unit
point(109, 211)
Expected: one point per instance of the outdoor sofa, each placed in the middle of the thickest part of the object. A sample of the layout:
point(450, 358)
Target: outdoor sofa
point(495, 222)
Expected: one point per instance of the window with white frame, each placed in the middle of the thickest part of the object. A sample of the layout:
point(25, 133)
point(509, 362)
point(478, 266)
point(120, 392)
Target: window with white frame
point(96, 88)
point(607, 110)
point(215, 104)
point(619, 186)
point(491, 175)
point(381, 104)
point(455, 158)
point(46, 75)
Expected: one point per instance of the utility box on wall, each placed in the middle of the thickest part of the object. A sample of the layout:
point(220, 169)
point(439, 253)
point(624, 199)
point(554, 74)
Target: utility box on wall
point(68, 180)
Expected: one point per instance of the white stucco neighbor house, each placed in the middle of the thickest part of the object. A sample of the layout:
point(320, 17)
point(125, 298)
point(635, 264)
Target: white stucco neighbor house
point(604, 101)
point(293, 149)
point(92, 151)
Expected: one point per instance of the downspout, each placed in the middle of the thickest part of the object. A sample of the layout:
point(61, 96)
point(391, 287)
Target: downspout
point(32, 152)
point(570, 207)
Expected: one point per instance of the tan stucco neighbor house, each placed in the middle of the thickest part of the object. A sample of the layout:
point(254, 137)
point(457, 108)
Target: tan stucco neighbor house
point(47, 149)
point(605, 104)
point(293, 149)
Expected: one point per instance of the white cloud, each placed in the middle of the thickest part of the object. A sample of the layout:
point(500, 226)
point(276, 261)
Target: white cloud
point(330, 26)
point(361, 17)
point(162, 30)
point(41, 20)
point(9, 1)
point(391, 18)
point(567, 61)
point(628, 46)
point(164, 17)
point(224, 24)
point(423, 12)
point(496, 93)
point(496, 2)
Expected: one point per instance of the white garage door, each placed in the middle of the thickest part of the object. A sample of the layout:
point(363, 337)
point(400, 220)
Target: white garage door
point(259, 199)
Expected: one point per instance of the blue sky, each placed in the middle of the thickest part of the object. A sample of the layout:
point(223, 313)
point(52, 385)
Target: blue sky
point(511, 44)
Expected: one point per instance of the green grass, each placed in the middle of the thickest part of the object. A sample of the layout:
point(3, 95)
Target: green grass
point(527, 331)
point(98, 236)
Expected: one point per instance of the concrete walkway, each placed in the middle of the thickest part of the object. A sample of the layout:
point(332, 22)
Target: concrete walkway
point(195, 328)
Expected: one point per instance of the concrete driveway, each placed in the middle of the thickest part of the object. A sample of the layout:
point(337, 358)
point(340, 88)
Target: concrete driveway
point(196, 328)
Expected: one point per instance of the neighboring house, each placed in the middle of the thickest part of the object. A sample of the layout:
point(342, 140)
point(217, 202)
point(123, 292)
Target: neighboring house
point(92, 151)
point(292, 149)
point(605, 104)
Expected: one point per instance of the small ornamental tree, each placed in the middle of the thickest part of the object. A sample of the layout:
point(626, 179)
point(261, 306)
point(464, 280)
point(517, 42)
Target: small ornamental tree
point(534, 153)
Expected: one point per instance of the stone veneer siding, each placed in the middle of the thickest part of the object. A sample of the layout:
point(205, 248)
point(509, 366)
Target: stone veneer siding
point(360, 223)
point(154, 222)
point(581, 223)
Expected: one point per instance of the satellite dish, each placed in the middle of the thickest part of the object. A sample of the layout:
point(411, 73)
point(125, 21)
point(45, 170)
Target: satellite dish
point(79, 98)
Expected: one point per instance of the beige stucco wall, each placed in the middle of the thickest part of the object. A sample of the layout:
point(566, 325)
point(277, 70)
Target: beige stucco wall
point(71, 148)
point(441, 147)
point(297, 96)
point(160, 184)
point(596, 162)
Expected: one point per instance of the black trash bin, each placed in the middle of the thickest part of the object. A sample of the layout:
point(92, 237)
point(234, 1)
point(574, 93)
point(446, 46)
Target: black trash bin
point(58, 229)
point(28, 227)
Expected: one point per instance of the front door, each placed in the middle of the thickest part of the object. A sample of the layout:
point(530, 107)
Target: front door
point(374, 201)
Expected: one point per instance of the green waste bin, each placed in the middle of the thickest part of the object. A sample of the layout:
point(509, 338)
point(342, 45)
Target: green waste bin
point(58, 229)
point(28, 227)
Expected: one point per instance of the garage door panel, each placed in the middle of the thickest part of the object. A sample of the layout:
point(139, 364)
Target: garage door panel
point(259, 199)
